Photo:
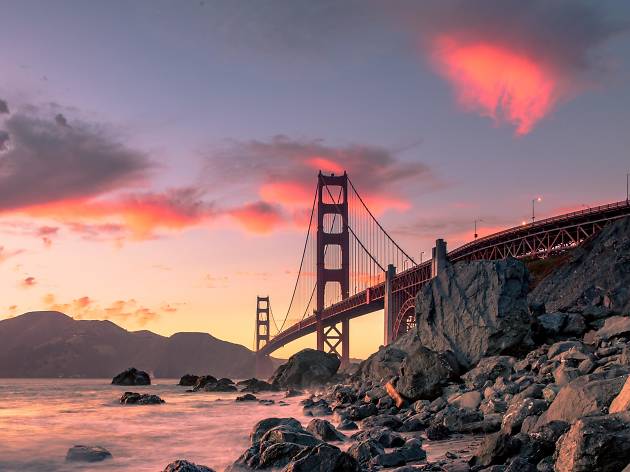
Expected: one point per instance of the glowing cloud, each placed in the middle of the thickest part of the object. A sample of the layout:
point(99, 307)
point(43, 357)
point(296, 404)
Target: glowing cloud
point(258, 217)
point(498, 82)
point(325, 165)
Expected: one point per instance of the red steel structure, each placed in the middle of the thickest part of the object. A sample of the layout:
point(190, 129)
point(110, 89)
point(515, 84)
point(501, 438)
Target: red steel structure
point(396, 292)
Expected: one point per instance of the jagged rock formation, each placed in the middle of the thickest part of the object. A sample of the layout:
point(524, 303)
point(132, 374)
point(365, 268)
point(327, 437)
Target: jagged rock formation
point(596, 280)
point(306, 367)
point(475, 309)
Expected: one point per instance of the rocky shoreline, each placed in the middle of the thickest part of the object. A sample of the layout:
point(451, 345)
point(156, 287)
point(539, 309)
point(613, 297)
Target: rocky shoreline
point(537, 389)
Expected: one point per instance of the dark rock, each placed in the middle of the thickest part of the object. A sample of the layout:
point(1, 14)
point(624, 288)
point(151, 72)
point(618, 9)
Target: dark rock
point(255, 385)
point(438, 432)
point(267, 402)
point(495, 449)
point(347, 425)
point(598, 443)
point(133, 398)
point(364, 451)
point(596, 279)
point(412, 450)
point(188, 380)
point(287, 433)
point(551, 432)
point(423, 373)
point(307, 367)
point(293, 393)
point(317, 408)
point(358, 413)
point(323, 430)
point(278, 455)
point(518, 411)
point(489, 368)
point(614, 326)
point(248, 397)
point(563, 346)
point(382, 421)
point(204, 380)
point(323, 458)
point(389, 459)
point(518, 464)
point(383, 436)
point(87, 454)
point(132, 376)
point(384, 364)
point(475, 309)
point(185, 466)
point(260, 428)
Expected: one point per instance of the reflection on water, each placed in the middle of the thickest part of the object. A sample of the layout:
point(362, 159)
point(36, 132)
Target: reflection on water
point(41, 418)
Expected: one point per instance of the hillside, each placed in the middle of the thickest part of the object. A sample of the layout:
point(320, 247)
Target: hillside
point(52, 344)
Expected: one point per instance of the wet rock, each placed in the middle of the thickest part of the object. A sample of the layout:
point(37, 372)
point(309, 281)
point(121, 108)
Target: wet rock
point(133, 398)
point(389, 459)
point(495, 449)
point(322, 458)
point(293, 393)
point(412, 450)
point(278, 455)
point(423, 373)
point(132, 376)
point(248, 397)
point(185, 466)
point(204, 380)
point(364, 451)
point(82, 453)
point(599, 443)
point(586, 395)
point(475, 310)
point(317, 408)
point(268, 402)
point(383, 421)
point(288, 433)
point(438, 432)
point(551, 324)
point(358, 413)
point(255, 385)
point(323, 430)
point(261, 428)
point(188, 380)
point(347, 425)
point(383, 436)
point(221, 385)
point(307, 367)
point(614, 326)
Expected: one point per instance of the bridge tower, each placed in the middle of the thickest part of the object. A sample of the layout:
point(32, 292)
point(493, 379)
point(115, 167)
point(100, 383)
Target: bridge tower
point(333, 338)
point(262, 322)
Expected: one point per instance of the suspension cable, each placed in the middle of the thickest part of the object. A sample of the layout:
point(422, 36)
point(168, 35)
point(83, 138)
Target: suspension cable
point(379, 225)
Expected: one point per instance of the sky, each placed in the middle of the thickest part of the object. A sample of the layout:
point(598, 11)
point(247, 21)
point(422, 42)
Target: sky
point(158, 158)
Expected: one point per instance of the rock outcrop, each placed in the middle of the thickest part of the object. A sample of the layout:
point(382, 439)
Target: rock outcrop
point(596, 280)
point(132, 376)
point(305, 368)
point(476, 309)
point(82, 453)
point(185, 466)
point(133, 398)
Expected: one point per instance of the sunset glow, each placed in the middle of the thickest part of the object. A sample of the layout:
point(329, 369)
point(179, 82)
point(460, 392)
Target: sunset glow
point(498, 82)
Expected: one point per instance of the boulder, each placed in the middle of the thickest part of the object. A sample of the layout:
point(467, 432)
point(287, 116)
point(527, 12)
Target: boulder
point(476, 309)
point(132, 376)
point(495, 449)
point(185, 466)
point(277, 455)
point(587, 395)
point(322, 458)
point(260, 428)
point(622, 401)
point(133, 398)
point(187, 380)
point(82, 453)
point(596, 443)
point(437, 432)
point(323, 430)
point(364, 451)
point(307, 367)
point(255, 385)
point(347, 425)
point(596, 278)
point(489, 369)
point(613, 327)
point(204, 380)
point(469, 400)
point(248, 397)
point(423, 372)
point(518, 411)
point(289, 434)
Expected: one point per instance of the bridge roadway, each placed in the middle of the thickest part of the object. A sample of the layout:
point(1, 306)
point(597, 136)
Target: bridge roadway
point(541, 238)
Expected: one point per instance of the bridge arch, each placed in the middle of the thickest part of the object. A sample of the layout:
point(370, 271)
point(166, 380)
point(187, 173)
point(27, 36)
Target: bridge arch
point(406, 318)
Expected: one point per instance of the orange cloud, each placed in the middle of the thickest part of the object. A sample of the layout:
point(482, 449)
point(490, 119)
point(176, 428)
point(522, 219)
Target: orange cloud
point(258, 217)
point(324, 164)
point(289, 194)
point(498, 82)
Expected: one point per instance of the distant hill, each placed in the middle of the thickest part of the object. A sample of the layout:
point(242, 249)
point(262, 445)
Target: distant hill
point(52, 344)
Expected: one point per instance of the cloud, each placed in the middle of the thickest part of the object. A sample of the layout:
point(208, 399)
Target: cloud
point(48, 163)
point(119, 311)
point(61, 120)
point(511, 60)
point(258, 217)
point(4, 140)
point(284, 173)
point(4, 107)
point(28, 282)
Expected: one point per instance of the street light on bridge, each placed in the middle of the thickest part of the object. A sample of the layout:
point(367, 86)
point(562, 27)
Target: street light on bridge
point(537, 199)
point(479, 220)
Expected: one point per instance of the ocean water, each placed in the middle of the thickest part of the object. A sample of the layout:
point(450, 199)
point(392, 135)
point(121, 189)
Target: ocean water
point(41, 418)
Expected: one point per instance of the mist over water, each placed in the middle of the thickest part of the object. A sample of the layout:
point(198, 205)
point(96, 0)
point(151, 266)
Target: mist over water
point(41, 418)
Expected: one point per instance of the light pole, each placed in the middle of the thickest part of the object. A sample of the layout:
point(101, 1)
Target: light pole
point(534, 200)
point(421, 254)
point(479, 220)
point(627, 186)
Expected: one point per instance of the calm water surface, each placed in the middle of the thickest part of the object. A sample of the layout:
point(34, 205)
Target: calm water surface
point(41, 418)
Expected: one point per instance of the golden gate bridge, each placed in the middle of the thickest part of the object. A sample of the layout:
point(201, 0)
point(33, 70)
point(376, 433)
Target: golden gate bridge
point(349, 266)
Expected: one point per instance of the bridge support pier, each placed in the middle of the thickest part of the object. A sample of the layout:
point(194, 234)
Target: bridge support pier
point(390, 314)
point(439, 258)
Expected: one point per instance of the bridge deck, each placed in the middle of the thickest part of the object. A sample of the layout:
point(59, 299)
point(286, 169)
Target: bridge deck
point(540, 238)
